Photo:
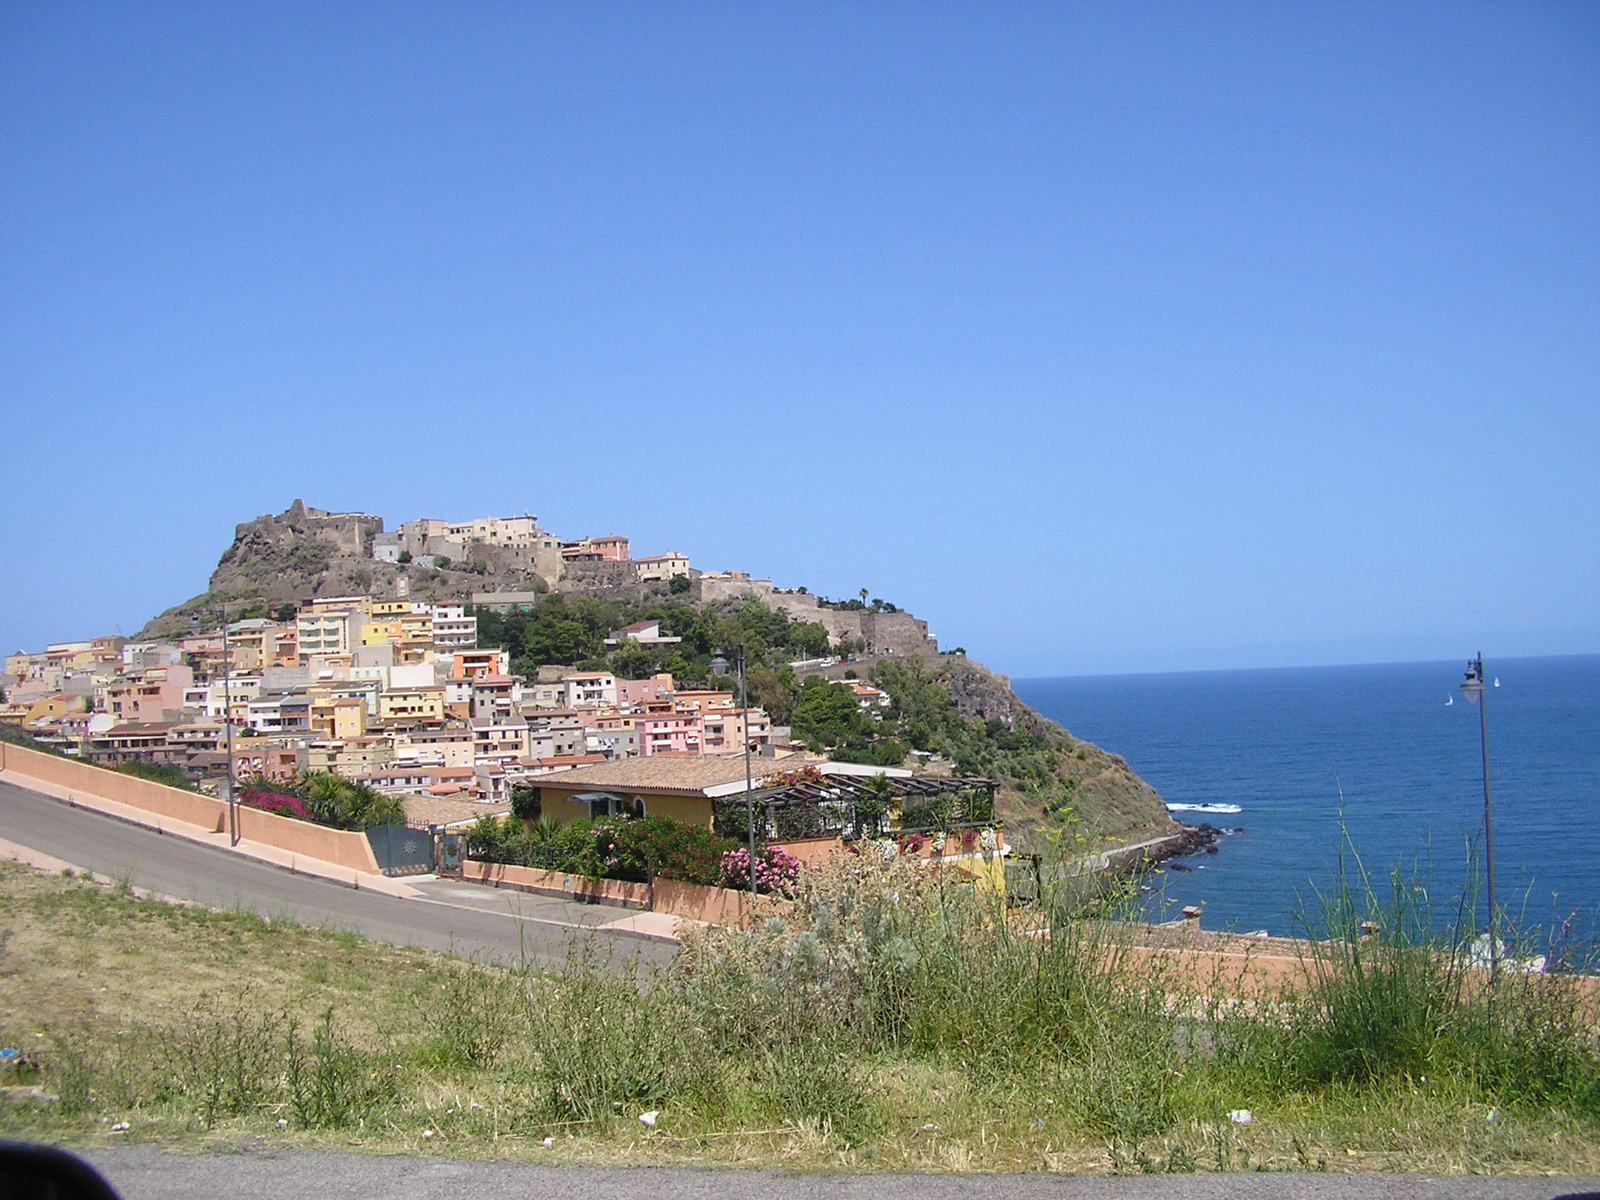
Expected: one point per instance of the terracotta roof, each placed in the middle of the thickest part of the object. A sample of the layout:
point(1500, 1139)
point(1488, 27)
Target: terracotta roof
point(422, 811)
point(659, 773)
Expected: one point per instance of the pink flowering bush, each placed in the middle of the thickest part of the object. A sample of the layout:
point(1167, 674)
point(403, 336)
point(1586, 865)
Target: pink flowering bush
point(777, 871)
point(283, 804)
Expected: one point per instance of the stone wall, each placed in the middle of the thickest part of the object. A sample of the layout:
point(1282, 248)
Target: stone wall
point(610, 581)
point(543, 561)
point(896, 633)
point(347, 533)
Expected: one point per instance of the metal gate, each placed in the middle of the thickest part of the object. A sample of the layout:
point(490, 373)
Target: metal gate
point(401, 850)
point(451, 847)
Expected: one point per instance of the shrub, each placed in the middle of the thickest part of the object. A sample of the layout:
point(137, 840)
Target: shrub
point(156, 772)
point(323, 798)
point(632, 849)
point(777, 870)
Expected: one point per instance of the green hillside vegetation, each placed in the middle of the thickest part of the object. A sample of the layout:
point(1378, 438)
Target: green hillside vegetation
point(16, 735)
point(884, 1020)
point(571, 631)
point(1057, 793)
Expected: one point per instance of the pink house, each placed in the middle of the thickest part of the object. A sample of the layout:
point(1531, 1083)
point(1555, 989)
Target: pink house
point(611, 548)
point(636, 693)
point(669, 733)
point(144, 698)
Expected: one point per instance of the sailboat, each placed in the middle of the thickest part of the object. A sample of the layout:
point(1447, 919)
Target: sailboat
point(1449, 700)
point(1497, 681)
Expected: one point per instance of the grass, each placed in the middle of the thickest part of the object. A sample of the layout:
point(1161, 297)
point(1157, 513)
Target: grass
point(886, 1021)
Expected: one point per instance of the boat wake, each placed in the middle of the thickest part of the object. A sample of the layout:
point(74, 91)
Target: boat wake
point(1204, 808)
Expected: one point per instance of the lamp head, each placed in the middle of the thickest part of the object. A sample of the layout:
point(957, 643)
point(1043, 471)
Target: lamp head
point(719, 665)
point(1472, 685)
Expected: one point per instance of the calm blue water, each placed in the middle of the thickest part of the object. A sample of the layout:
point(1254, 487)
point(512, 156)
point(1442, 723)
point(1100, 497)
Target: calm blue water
point(1281, 743)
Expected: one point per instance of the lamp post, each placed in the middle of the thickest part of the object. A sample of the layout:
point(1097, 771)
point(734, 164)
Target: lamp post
point(1472, 689)
point(749, 795)
point(227, 726)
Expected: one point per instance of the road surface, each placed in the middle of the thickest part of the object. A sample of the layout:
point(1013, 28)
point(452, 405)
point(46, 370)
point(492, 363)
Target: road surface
point(465, 919)
point(145, 1173)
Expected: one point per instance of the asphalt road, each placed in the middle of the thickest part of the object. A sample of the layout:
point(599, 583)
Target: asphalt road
point(145, 1173)
point(465, 919)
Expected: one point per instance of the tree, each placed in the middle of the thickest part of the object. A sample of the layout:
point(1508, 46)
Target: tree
point(405, 556)
point(678, 585)
point(525, 804)
point(773, 691)
point(827, 715)
point(809, 638)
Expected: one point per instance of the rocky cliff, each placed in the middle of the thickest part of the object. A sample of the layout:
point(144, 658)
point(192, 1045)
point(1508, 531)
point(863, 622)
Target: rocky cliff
point(1099, 797)
point(306, 552)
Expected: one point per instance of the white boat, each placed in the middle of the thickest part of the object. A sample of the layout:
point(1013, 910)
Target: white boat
point(1204, 808)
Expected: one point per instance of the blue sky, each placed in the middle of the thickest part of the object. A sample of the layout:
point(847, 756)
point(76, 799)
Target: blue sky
point(1105, 337)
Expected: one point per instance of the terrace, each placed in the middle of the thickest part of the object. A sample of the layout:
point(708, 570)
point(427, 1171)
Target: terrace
point(810, 804)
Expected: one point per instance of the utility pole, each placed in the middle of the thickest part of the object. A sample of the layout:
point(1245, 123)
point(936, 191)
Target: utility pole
point(1472, 687)
point(749, 795)
point(227, 725)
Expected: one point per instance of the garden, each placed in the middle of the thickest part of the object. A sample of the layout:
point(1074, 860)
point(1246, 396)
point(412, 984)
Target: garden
point(322, 798)
point(637, 849)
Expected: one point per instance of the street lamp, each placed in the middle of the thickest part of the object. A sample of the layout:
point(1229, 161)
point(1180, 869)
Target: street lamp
point(227, 724)
point(749, 795)
point(1472, 690)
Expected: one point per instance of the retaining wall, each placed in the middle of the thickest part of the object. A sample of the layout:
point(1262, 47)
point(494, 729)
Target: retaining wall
point(336, 846)
point(204, 811)
point(713, 905)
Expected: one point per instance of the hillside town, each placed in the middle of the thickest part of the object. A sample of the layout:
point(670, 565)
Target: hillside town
point(394, 693)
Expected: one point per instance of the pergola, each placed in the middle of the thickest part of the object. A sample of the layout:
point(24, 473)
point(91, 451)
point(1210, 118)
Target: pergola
point(851, 806)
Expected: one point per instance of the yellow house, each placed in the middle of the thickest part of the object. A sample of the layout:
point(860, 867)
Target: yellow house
point(352, 759)
point(659, 785)
point(423, 706)
point(381, 631)
point(339, 717)
point(331, 604)
point(416, 637)
point(48, 708)
point(387, 610)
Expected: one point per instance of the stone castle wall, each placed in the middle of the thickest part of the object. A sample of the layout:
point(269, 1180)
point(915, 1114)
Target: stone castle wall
point(349, 533)
point(884, 633)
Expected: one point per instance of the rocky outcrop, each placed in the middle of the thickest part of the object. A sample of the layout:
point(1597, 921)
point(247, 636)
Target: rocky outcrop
point(306, 552)
point(1110, 802)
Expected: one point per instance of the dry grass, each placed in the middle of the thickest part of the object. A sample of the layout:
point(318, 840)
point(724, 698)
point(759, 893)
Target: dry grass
point(106, 992)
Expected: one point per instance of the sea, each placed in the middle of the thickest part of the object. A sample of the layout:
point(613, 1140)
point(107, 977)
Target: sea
point(1381, 761)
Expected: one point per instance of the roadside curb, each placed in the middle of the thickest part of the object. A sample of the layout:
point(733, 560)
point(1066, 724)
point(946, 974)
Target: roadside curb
point(295, 864)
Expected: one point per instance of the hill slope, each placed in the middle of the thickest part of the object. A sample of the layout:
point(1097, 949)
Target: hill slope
point(1057, 791)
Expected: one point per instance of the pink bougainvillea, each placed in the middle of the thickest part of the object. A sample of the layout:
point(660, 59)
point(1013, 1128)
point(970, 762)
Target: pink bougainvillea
point(281, 803)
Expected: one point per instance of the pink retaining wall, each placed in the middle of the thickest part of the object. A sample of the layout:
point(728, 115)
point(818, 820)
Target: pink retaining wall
point(556, 883)
point(204, 811)
point(812, 851)
point(341, 847)
point(337, 846)
point(714, 905)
